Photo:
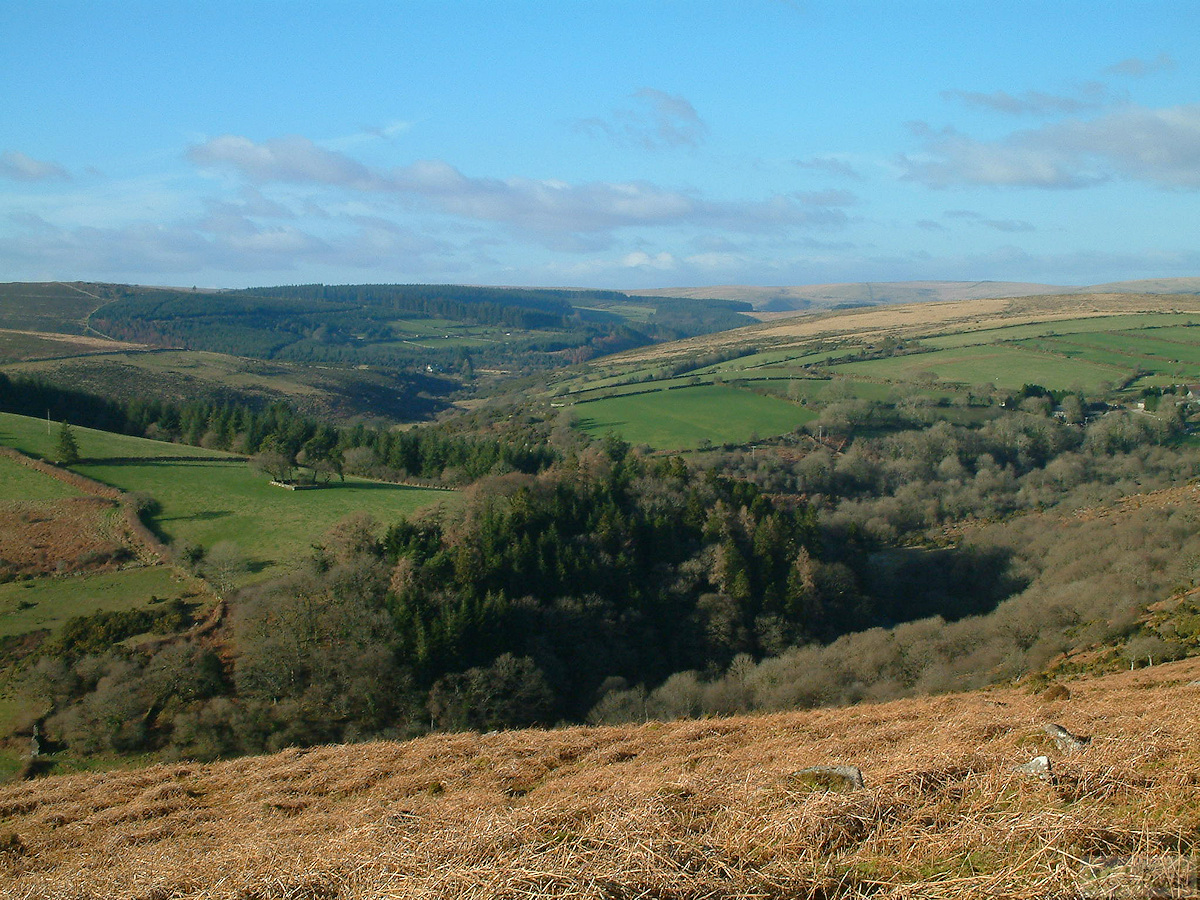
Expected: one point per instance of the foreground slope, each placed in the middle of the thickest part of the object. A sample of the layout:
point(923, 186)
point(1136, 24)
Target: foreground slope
point(711, 808)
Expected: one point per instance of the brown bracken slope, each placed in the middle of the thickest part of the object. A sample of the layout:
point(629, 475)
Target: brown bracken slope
point(695, 809)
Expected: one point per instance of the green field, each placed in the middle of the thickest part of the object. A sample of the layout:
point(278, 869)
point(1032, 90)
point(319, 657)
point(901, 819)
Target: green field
point(1006, 366)
point(1147, 347)
point(205, 502)
point(38, 603)
point(33, 437)
point(18, 482)
point(1060, 327)
point(687, 418)
point(217, 497)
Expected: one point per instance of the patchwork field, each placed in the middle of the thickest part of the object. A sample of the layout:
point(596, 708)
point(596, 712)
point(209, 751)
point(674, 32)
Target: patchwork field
point(691, 416)
point(206, 497)
point(931, 320)
point(1004, 366)
point(718, 808)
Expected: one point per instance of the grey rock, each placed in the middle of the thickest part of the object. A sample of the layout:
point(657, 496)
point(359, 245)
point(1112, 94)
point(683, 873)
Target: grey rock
point(1038, 767)
point(850, 776)
point(1067, 742)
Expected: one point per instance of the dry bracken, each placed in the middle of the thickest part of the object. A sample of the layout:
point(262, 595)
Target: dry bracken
point(694, 809)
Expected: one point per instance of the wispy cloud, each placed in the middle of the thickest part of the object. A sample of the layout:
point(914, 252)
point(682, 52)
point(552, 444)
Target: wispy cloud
point(1140, 68)
point(1006, 225)
point(224, 241)
point(1157, 146)
point(1090, 96)
point(830, 165)
point(292, 159)
point(368, 134)
point(19, 167)
point(549, 206)
point(656, 121)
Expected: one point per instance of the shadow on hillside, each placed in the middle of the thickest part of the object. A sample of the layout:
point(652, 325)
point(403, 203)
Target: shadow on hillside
point(206, 515)
point(157, 460)
point(951, 583)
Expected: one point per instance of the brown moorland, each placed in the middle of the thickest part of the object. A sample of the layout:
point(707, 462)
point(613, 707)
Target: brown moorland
point(917, 320)
point(693, 809)
point(69, 535)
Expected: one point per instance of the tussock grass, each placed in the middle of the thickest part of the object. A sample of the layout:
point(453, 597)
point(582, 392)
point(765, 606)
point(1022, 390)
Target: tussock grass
point(696, 809)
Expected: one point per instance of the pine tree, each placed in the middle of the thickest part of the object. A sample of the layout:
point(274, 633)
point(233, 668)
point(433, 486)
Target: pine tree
point(66, 451)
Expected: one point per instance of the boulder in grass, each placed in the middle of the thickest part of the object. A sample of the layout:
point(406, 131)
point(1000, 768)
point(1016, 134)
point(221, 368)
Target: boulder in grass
point(1038, 767)
point(832, 777)
point(1067, 742)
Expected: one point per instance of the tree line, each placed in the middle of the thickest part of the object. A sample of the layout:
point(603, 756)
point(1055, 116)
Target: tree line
point(422, 452)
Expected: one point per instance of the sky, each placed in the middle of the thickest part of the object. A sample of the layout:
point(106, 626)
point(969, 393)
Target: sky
point(598, 143)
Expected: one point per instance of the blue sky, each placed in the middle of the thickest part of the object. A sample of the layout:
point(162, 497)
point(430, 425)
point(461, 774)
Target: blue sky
point(598, 143)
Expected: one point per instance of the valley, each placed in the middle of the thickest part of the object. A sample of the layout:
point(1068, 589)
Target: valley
point(850, 516)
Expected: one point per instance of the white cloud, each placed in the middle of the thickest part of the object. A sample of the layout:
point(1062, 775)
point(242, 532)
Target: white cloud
point(290, 159)
point(223, 242)
point(550, 207)
point(19, 167)
point(1158, 146)
point(369, 134)
point(830, 197)
point(1006, 225)
point(639, 259)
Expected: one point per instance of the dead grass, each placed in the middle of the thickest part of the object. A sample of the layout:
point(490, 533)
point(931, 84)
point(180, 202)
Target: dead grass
point(70, 535)
point(698, 809)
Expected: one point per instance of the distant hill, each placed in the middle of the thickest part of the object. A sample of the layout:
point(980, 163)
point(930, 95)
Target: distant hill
point(831, 296)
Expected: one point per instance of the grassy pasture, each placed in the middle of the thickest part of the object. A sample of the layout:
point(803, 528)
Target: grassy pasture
point(48, 603)
point(684, 419)
point(1148, 346)
point(31, 436)
point(20, 483)
point(1089, 326)
point(217, 497)
point(1112, 356)
point(1005, 366)
point(207, 501)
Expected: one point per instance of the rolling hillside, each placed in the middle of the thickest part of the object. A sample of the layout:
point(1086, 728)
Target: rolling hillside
point(959, 355)
point(816, 297)
point(395, 353)
point(719, 808)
